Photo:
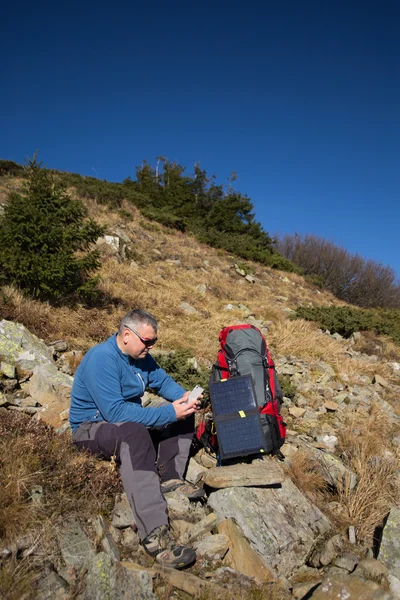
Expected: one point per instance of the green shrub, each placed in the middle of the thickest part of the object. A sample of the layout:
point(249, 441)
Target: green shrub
point(42, 230)
point(346, 320)
point(288, 388)
point(9, 167)
point(180, 367)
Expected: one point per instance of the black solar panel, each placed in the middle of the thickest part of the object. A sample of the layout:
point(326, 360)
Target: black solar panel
point(236, 417)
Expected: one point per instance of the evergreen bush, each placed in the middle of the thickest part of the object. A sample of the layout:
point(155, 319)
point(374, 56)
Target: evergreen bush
point(45, 239)
point(346, 320)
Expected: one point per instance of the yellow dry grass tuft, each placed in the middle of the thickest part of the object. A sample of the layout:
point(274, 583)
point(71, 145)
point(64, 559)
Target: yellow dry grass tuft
point(364, 444)
point(305, 471)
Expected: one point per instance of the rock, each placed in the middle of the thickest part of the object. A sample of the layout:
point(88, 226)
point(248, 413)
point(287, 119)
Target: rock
point(202, 288)
point(389, 551)
point(302, 590)
point(21, 348)
point(346, 561)
point(130, 539)
point(113, 241)
point(242, 557)
point(342, 397)
point(52, 587)
point(188, 309)
point(59, 345)
point(337, 336)
point(330, 405)
point(349, 588)
point(75, 546)
point(122, 515)
point(250, 278)
point(7, 370)
point(194, 472)
point(327, 552)
point(202, 527)
point(69, 361)
point(394, 586)
point(281, 524)
point(178, 504)
point(206, 460)
point(240, 271)
point(213, 547)
point(296, 412)
point(52, 390)
point(380, 380)
point(372, 569)
point(352, 534)
point(332, 469)
point(104, 536)
point(107, 580)
point(267, 472)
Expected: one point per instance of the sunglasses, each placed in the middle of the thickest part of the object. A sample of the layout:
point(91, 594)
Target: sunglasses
point(148, 342)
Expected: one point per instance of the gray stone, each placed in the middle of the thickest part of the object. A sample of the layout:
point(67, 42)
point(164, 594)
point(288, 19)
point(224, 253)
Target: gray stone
point(75, 546)
point(372, 569)
point(59, 345)
point(349, 588)
point(107, 580)
point(213, 547)
point(266, 472)
point(332, 469)
point(69, 361)
point(52, 390)
point(346, 561)
point(202, 288)
point(21, 348)
point(188, 309)
point(178, 504)
point(129, 539)
point(52, 587)
point(326, 553)
point(250, 278)
point(194, 471)
point(352, 534)
point(389, 552)
point(122, 515)
point(7, 370)
point(394, 586)
point(284, 541)
point(107, 542)
point(337, 336)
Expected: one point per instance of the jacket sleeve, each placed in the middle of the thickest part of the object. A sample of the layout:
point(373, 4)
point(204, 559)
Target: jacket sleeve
point(103, 384)
point(162, 383)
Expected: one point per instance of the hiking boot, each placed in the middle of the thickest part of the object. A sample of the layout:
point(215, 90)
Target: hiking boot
point(162, 546)
point(192, 492)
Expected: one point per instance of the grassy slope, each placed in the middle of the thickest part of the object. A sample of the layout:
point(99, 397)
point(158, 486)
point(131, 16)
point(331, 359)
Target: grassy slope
point(160, 286)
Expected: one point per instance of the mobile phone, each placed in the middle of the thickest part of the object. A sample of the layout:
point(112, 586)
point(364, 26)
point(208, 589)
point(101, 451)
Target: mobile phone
point(195, 393)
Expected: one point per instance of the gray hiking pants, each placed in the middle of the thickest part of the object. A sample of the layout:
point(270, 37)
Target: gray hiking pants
point(147, 458)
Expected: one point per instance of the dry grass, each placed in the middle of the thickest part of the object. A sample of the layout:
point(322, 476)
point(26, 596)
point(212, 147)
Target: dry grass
point(364, 444)
point(305, 471)
point(31, 455)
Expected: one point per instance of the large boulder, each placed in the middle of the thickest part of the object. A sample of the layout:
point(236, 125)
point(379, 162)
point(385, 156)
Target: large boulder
point(51, 389)
point(21, 348)
point(281, 524)
point(389, 552)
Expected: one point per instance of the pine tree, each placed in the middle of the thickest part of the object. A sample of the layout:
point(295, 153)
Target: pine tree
point(45, 239)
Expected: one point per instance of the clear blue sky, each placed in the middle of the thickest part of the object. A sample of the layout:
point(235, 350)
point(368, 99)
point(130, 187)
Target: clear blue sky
point(301, 98)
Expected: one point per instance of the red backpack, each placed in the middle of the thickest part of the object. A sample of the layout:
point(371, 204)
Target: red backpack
point(243, 351)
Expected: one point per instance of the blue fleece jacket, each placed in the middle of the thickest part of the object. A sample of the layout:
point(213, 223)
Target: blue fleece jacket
point(109, 384)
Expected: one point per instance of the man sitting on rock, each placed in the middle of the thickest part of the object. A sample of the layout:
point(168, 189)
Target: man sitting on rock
point(151, 444)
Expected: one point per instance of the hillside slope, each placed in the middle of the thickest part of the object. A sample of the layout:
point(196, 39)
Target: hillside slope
point(342, 409)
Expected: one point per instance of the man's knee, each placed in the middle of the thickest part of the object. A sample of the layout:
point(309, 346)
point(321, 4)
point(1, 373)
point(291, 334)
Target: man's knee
point(111, 435)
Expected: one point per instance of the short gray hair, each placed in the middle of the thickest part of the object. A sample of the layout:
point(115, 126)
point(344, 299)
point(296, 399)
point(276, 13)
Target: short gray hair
point(135, 318)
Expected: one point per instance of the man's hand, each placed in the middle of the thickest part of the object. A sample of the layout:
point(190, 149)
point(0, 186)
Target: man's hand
point(183, 408)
